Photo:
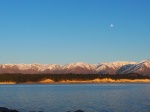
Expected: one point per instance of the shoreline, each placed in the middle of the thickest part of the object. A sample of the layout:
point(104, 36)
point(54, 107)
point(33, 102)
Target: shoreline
point(95, 81)
point(4, 109)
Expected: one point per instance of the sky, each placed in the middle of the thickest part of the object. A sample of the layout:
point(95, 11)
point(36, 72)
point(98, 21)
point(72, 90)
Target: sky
point(66, 31)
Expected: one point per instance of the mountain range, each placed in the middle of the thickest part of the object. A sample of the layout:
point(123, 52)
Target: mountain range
point(119, 67)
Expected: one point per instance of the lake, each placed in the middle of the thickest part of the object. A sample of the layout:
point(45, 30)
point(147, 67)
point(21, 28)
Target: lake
point(111, 97)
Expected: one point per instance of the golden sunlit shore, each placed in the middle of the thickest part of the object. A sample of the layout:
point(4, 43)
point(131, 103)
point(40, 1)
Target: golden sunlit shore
point(105, 80)
point(7, 82)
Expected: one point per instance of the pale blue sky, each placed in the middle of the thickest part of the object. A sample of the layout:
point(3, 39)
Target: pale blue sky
point(65, 31)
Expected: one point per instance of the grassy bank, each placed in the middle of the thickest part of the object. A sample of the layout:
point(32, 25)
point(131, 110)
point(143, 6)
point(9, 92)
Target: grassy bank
point(70, 78)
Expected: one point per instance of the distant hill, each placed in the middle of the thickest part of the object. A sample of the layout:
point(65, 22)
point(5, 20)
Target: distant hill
point(120, 67)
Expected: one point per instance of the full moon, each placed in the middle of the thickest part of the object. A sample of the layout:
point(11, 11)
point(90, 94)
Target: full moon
point(111, 25)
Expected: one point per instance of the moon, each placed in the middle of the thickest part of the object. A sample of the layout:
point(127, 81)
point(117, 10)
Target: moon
point(111, 25)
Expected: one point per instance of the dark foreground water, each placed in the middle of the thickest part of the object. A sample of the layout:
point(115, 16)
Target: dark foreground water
point(71, 97)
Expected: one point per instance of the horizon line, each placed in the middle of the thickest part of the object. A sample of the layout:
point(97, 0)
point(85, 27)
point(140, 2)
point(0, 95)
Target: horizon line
point(71, 63)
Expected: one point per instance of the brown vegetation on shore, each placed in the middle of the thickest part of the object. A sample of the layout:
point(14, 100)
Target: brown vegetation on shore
point(70, 78)
point(105, 80)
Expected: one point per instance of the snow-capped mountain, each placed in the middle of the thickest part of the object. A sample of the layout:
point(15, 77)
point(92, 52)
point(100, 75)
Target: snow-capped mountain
point(27, 68)
point(78, 68)
point(111, 68)
point(120, 67)
point(142, 67)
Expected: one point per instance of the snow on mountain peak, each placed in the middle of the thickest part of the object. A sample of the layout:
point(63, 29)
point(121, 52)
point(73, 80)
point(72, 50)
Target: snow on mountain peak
point(119, 67)
point(111, 67)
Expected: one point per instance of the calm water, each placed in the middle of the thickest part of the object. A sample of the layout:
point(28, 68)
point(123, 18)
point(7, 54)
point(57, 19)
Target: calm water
point(71, 97)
